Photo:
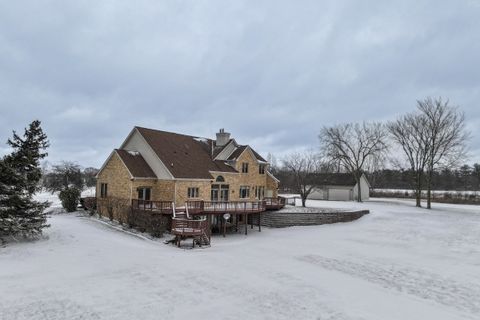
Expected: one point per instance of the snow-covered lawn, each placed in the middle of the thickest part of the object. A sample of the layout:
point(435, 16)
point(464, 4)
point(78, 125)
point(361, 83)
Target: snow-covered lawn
point(398, 262)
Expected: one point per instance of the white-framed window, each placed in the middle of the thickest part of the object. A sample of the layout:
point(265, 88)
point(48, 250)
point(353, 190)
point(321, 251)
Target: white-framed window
point(144, 193)
point(261, 169)
point(244, 167)
point(103, 190)
point(259, 192)
point(192, 192)
point(244, 192)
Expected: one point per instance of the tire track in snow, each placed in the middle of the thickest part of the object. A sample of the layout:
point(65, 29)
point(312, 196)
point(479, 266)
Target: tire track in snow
point(421, 283)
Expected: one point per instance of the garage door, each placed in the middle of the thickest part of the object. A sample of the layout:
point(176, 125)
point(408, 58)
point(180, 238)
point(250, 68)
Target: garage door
point(339, 194)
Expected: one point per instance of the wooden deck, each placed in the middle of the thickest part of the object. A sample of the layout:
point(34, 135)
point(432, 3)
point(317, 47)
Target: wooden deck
point(221, 207)
point(274, 203)
point(198, 230)
point(165, 207)
point(212, 207)
point(184, 221)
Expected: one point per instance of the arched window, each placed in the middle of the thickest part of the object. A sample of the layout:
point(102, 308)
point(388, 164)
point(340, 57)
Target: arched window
point(220, 179)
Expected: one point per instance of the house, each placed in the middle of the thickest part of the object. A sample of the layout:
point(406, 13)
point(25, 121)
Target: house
point(153, 165)
point(339, 186)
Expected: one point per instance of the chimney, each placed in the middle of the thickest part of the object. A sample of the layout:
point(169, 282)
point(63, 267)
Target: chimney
point(222, 138)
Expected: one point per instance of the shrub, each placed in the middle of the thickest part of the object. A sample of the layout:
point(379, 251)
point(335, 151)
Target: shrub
point(90, 204)
point(70, 198)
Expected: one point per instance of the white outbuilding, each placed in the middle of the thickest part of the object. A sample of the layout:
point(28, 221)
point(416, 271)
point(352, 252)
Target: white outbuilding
point(339, 187)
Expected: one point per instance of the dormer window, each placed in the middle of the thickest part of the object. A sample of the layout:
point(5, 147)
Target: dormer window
point(245, 167)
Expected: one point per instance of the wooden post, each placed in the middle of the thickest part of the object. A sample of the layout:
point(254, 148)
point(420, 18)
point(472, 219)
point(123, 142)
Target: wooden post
point(246, 223)
point(259, 222)
point(209, 227)
point(223, 225)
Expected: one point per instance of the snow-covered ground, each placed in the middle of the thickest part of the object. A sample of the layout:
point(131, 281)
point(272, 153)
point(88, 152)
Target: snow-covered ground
point(398, 262)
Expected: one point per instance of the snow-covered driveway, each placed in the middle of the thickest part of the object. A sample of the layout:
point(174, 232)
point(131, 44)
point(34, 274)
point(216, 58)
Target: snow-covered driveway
point(399, 262)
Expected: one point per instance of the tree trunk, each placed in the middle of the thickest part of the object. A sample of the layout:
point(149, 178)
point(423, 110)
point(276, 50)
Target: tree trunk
point(429, 190)
point(304, 199)
point(418, 192)
point(359, 190)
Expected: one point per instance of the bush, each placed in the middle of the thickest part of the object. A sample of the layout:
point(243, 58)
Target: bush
point(70, 198)
point(90, 204)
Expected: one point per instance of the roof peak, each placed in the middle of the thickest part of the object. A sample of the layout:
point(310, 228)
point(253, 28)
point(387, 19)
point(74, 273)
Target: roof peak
point(174, 133)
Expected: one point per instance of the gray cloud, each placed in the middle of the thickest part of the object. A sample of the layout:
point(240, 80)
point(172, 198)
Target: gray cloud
point(271, 73)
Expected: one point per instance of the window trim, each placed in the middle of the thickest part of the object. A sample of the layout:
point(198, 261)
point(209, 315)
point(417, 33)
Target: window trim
point(193, 192)
point(244, 167)
point(241, 195)
point(261, 168)
point(103, 190)
point(144, 193)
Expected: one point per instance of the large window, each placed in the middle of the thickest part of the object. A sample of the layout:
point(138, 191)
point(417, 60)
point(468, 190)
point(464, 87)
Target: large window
point(244, 192)
point(192, 192)
point(261, 169)
point(103, 190)
point(259, 192)
point(245, 167)
point(144, 193)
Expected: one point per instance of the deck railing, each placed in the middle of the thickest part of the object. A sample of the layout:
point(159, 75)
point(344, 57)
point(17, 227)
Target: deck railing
point(199, 207)
point(272, 203)
point(189, 227)
point(157, 206)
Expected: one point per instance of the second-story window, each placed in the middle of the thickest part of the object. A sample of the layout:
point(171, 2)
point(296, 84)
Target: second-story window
point(192, 192)
point(261, 168)
point(245, 167)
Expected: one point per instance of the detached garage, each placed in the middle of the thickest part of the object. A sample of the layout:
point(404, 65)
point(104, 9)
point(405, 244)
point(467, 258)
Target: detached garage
point(339, 187)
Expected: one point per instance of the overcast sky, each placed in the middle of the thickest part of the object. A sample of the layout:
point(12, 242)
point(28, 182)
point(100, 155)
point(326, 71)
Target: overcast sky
point(270, 72)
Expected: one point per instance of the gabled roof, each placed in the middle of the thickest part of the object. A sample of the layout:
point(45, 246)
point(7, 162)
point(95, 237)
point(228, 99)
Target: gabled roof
point(217, 150)
point(185, 156)
point(334, 179)
point(136, 164)
point(240, 149)
point(235, 154)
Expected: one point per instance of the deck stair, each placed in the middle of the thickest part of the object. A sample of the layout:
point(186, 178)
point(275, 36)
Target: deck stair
point(184, 226)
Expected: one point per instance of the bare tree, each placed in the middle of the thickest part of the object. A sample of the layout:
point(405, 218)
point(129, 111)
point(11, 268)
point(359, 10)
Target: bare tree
point(302, 167)
point(446, 135)
point(63, 176)
point(410, 133)
point(354, 146)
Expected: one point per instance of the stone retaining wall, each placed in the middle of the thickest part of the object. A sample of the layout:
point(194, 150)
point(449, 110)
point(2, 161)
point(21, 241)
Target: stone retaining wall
point(284, 219)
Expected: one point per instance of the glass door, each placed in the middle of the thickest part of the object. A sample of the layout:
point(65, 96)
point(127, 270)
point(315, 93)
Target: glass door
point(224, 192)
point(214, 194)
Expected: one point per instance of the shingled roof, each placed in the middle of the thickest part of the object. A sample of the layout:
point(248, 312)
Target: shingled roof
point(334, 179)
point(136, 164)
point(240, 149)
point(185, 156)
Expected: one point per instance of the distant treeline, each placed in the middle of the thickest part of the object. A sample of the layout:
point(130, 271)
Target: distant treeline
point(465, 178)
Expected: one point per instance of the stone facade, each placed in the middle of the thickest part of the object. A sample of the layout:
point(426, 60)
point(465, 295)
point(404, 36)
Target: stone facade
point(181, 190)
point(122, 186)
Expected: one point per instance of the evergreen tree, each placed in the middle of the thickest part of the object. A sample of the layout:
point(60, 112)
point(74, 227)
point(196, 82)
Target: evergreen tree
point(20, 174)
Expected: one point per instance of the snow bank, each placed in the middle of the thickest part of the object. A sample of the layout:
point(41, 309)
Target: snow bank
point(399, 262)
